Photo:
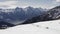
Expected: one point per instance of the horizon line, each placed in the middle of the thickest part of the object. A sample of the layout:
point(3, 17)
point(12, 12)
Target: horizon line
point(24, 7)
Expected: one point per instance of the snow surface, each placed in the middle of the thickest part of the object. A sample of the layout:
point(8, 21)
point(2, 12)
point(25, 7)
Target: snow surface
point(48, 27)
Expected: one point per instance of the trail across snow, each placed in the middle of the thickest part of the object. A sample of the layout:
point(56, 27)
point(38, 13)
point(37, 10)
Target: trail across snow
point(48, 27)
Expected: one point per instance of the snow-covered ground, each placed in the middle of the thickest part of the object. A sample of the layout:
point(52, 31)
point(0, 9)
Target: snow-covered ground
point(48, 27)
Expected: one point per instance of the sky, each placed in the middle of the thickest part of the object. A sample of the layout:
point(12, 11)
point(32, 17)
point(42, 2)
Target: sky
point(24, 3)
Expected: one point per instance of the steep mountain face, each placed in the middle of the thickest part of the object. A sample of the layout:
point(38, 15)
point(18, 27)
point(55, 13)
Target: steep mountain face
point(19, 14)
point(33, 12)
point(53, 13)
point(36, 19)
point(33, 20)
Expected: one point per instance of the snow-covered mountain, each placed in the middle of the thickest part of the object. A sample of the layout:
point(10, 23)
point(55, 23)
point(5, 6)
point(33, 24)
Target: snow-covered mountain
point(33, 12)
point(19, 14)
point(28, 15)
point(53, 13)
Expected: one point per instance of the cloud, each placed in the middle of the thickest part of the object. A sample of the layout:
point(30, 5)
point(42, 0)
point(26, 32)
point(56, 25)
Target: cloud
point(7, 0)
point(25, 3)
point(7, 4)
point(57, 0)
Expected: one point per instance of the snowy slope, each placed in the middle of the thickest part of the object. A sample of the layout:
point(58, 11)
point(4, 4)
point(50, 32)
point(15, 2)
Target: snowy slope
point(48, 27)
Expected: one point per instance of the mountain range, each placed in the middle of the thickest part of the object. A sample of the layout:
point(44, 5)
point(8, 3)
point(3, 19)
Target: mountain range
point(51, 14)
point(20, 14)
point(29, 15)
